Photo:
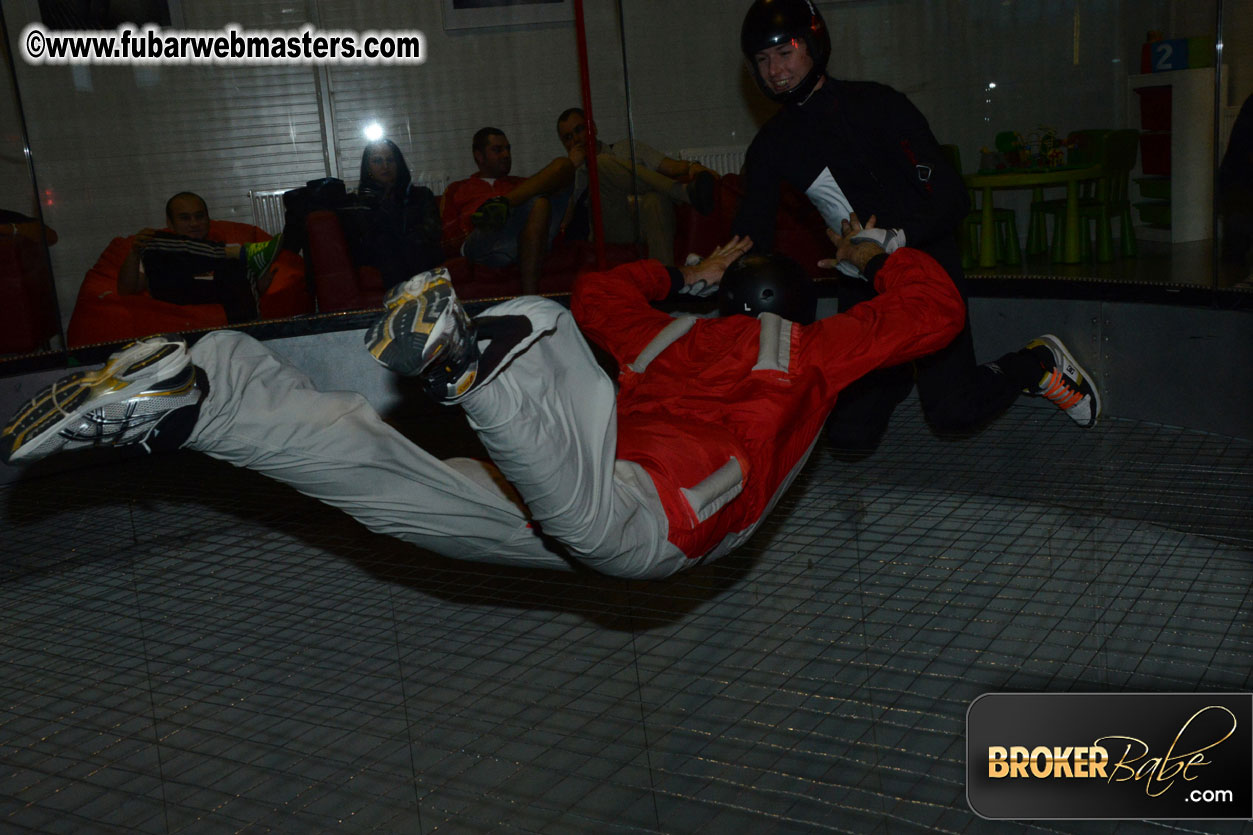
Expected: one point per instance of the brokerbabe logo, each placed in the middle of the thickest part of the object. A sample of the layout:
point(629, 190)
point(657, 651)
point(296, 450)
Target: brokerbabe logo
point(1110, 755)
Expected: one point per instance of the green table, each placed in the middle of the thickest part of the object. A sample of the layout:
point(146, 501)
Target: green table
point(1069, 177)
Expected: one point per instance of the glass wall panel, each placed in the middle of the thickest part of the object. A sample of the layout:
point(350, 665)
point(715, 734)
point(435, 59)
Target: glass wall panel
point(1002, 82)
point(113, 142)
point(1234, 187)
point(28, 316)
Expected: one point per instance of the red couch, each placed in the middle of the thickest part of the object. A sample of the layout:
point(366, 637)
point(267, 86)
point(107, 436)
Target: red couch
point(340, 285)
point(102, 314)
point(28, 317)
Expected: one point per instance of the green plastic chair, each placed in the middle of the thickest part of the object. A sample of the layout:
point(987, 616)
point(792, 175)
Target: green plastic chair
point(1103, 199)
point(1121, 149)
point(1086, 148)
point(1008, 250)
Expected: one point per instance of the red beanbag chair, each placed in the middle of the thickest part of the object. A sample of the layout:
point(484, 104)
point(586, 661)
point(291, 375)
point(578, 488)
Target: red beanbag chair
point(102, 314)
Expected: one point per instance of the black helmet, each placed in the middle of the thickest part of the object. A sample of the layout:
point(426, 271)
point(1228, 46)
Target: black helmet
point(773, 22)
point(768, 284)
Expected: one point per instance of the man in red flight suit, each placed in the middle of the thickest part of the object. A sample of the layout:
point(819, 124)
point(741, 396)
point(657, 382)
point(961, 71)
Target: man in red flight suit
point(713, 419)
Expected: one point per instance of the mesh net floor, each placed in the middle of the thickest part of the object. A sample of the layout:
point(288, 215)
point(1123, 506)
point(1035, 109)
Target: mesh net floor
point(192, 648)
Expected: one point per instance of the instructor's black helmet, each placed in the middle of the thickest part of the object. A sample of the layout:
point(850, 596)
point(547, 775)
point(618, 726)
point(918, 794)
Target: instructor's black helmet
point(773, 22)
point(768, 284)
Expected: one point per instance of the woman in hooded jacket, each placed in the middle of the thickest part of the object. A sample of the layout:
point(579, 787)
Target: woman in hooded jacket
point(394, 224)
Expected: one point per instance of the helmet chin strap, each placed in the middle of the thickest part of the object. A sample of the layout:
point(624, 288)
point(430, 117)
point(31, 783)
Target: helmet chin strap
point(811, 84)
point(798, 95)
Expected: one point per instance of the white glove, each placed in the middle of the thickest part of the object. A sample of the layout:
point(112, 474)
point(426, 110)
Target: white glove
point(699, 289)
point(889, 240)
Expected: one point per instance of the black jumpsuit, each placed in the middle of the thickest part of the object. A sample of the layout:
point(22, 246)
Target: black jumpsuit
point(864, 147)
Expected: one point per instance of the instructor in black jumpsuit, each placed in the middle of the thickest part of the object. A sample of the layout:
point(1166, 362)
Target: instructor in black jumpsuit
point(863, 148)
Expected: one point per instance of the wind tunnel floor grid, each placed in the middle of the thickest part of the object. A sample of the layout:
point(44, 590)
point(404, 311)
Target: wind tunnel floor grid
point(191, 648)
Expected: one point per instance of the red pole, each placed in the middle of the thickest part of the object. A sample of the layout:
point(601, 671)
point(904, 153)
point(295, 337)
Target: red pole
point(593, 176)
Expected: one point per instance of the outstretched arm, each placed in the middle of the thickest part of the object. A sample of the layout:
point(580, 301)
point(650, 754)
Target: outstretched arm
point(614, 308)
point(550, 179)
point(917, 310)
point(849, 247)
point(702, 278)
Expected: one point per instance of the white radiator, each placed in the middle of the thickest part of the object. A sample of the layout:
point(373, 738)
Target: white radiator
point(267, 209)
point(725, 159)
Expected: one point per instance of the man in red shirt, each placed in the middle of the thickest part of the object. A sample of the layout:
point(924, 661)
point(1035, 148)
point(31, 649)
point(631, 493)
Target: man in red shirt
point(495, 219)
